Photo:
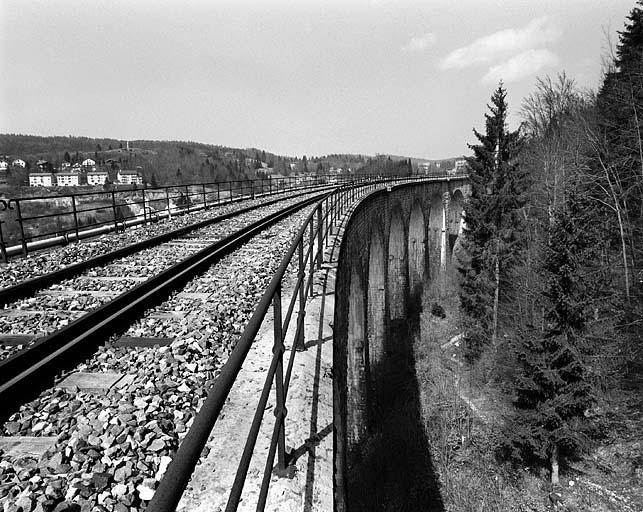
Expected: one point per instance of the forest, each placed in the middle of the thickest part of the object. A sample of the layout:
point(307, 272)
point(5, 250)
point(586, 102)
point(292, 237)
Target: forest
point(550, 283)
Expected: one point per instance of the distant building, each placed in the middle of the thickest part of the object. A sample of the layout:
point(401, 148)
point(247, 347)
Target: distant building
point(42, 165)
point(129, 177)
point(424, 168)
point(460, 166)
point(88, 163)
point(67, 179)
point(41, 179)
point(4, 165)
point(65, 165)
point(97, 177)
point(19, 162)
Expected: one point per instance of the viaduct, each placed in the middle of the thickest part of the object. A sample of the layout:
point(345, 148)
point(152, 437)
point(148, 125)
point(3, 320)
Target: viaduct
point(397, 243)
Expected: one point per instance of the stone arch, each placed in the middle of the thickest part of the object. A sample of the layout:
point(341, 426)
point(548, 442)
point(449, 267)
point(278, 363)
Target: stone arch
point(455, 221)
point(416, 251)
point(397, 267)
point(356, 359)
point(436, 213)
point(376, 299)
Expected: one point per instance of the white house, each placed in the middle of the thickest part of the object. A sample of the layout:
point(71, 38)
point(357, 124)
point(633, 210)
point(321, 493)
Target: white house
point(19, 162)
point(4, 165)
point(41, 179)
point(67, 179)
point(65, 165)
point(88, 162)
point(460, 165)
point(129, 177)
point(97, 177)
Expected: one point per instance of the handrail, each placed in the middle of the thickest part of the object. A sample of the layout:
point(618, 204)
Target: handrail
point(318, 225)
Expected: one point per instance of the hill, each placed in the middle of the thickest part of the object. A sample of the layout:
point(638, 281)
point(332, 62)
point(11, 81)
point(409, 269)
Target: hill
point(176, 162)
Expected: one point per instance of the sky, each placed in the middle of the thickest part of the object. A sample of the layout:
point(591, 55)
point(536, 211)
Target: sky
point(405, 77)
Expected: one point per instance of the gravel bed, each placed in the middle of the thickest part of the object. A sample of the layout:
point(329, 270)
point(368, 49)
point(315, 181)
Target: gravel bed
point(42, 262)
point(112, 450)
point(90, 290)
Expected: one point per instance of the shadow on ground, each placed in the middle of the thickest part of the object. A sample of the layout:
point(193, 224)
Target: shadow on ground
point(392, 469)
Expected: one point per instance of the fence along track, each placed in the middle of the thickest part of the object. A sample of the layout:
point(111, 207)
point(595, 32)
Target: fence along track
point(147, 205)
point(30, 286)
point(25, 374)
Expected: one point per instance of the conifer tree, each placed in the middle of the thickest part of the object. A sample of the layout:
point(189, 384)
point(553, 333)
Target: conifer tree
point(493, 222)
point(553, 386)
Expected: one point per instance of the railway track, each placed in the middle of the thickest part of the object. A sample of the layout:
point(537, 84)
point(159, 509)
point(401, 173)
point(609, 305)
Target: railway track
point(38, 306)
point(25, 373)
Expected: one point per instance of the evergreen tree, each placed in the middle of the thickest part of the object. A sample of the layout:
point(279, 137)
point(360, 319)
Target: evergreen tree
point(493, 223)
point(553, 387)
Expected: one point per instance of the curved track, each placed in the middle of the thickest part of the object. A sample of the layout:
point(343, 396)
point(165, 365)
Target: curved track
point(26, 373)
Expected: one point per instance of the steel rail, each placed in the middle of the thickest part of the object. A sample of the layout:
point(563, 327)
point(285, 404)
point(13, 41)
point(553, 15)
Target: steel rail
point(25, 373)
point(30, 286)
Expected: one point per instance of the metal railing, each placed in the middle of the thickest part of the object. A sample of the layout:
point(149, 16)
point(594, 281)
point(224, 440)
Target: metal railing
point(32, 223)
point(306, 254)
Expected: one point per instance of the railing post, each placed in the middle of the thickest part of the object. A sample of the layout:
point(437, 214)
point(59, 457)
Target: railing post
point(3, 248)
point(144, 210)
point(230, 190)
point(311, 248)
point(22, 228)
point(326, 219)
point(187, 197)
point(320, 237)
point(114, 212)
point(205, 202)
point(270, 184)
point(280, 409)
point(218, 195)
point(73, 205)
point(252, 188)
point(167, 200)
point(299, 342)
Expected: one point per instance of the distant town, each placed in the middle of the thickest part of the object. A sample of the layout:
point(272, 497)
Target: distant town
point(89, 173)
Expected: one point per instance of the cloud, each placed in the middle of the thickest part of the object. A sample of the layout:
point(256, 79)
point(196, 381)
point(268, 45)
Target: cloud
point(520, 66)
point(420, 43)
point(490, 48)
